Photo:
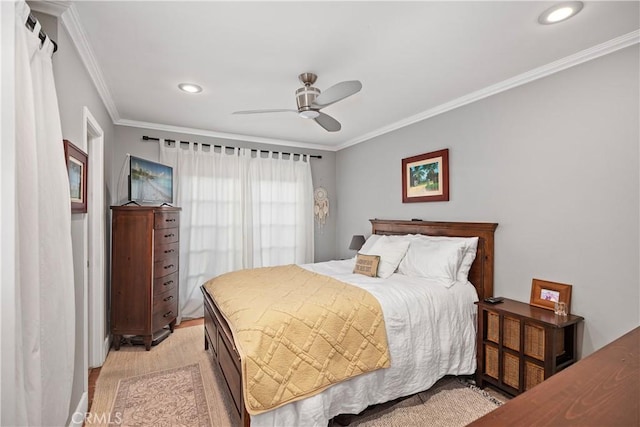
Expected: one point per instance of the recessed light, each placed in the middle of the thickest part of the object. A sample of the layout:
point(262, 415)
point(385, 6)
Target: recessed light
point(560, 12)
point(190, 87)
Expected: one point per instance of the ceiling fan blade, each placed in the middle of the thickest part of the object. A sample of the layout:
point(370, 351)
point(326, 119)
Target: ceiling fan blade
point(337, 92)
point(327, 122)
point(265, 111)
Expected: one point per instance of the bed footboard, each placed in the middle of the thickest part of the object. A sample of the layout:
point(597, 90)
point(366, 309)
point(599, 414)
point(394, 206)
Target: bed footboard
point(218, 341)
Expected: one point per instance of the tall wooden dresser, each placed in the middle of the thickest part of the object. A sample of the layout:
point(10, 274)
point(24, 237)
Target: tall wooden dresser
point(145, 248)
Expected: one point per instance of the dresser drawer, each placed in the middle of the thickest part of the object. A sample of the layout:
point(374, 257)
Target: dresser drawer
point(166, 220)
point(164, 313)
point(166, 251)
point(165, 284)
point(166, 298)
point(164, 267)
point(166, 235)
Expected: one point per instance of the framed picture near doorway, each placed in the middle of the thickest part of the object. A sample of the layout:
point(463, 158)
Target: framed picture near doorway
point(425, 177)
point(77, 170)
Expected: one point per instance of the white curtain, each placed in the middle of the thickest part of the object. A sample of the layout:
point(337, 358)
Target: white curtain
point(45, 324)
point(279, 211)
point(238, 211)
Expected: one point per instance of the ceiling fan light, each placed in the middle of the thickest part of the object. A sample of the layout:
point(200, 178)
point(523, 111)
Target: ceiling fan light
point(308, 114)
point(190, 88)
point(560, 12)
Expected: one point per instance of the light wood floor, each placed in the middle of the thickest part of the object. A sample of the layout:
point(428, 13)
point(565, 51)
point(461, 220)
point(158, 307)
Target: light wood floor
point(94, 373)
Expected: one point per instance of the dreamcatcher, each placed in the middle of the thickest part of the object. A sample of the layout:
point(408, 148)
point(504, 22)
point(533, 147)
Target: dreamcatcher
point(320, 205)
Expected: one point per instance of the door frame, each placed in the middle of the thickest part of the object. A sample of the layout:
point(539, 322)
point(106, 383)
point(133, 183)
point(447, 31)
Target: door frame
point(95, 289)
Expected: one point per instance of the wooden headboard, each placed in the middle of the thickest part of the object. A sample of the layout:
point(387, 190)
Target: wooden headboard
point(481, 274)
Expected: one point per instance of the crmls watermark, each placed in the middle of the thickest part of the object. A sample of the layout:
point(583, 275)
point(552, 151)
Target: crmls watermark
point(89, 418)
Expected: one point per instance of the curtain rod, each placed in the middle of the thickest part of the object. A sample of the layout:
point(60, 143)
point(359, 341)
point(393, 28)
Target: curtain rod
point(31, 24)
point(149, 138)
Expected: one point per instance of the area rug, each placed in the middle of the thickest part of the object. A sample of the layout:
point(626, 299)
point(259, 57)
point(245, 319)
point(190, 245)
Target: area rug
point(173, 397)
point(449, 403)
point(135, 382)
point(125, 370)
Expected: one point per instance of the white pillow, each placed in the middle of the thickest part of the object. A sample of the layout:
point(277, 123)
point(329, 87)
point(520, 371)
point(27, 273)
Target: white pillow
point(468, 256)
point(371, 240)
point(433, 259)
point(471, 249)
point(391, 250)
point(368, 244)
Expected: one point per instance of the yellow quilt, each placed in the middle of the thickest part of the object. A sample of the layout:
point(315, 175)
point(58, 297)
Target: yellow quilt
point(298, 332)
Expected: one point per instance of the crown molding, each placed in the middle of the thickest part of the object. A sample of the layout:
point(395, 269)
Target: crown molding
point(71, 21)
point(519, 80)
point(214, 134)
point(54, 8)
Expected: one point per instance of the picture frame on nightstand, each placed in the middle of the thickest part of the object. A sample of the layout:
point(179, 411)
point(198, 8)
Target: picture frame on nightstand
point(545, 294)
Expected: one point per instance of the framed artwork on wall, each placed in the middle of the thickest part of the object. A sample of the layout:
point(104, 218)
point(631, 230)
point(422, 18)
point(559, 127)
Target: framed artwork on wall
point(550, 295)
point(425, 178)
point(77, 170)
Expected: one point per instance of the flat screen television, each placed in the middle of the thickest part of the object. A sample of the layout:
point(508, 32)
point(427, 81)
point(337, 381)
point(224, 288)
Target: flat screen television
point(150, 182)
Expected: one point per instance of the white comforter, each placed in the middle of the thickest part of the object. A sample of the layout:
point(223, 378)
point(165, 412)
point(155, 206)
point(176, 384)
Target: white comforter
point(431, 333)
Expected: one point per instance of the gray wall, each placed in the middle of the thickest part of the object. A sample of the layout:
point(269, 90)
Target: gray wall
point(76, 90)
point(554, 162)
point(129, 140)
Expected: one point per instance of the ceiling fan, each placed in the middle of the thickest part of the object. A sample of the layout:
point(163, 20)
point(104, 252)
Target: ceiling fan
point(311, 101)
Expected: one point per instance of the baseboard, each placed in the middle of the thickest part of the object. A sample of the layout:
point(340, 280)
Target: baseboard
point(105, 348)
point(78, 416)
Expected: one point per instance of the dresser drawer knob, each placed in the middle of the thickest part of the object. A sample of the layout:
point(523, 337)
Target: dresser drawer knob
point(167, 283)
point(169, 298)
point(168, 251)
point(169, 235)
point(168, 266)
point(168, 314)
point(170, 220)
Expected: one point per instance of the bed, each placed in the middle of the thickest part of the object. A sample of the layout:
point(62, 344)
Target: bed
point(413, 366)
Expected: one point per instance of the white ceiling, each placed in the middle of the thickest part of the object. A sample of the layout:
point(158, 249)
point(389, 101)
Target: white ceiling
point(414, 59)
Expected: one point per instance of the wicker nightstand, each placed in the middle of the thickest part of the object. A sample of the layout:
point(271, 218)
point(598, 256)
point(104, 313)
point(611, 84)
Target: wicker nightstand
point(519, 345)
